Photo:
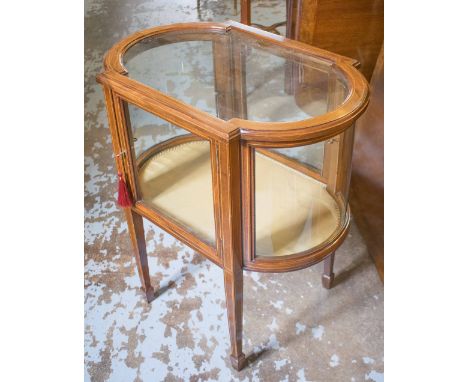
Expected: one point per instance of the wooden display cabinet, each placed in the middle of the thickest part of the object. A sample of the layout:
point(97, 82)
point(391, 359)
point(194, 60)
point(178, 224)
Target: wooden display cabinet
point(216, 152)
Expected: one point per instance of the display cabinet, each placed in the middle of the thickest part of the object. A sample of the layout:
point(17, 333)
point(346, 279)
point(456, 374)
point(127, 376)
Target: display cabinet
point(214, 146)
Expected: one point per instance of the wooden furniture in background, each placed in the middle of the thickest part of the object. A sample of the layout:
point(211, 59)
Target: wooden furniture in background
point(367, 181)
point(353, 28)
point(246, 12)
point(225, 160)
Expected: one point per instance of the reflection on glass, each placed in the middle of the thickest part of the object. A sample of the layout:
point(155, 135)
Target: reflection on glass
point(183, 70)
point(309, 155)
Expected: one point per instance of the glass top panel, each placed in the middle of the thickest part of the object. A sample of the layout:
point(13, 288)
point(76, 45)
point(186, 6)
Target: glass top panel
point(233, 75)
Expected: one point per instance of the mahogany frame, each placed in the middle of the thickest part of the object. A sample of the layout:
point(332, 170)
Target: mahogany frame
point(232, 144)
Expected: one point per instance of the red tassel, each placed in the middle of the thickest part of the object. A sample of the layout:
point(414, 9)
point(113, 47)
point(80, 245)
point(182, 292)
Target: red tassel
point(124, 199)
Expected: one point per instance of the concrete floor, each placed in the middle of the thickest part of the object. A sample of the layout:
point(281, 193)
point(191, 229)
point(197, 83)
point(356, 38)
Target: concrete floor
point(294, 329)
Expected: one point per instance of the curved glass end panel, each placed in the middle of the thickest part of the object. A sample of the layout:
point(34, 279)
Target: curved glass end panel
point(301, 196)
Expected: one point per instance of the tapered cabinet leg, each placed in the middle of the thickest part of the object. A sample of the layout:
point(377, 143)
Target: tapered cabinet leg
point(228, 169)
point(233, 287)
point(137, 234)
point(328, 276)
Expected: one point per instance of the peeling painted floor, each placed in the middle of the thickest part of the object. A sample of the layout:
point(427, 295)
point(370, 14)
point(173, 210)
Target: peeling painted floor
point(294, 329)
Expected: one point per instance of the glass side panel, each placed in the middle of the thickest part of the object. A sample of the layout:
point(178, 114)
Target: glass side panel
point(234, 75)
point(174, 172)
point(297, 207)
point(148, 130)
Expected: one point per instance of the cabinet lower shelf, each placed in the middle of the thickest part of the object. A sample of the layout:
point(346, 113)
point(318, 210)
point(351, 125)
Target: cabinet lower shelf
point(294, 212)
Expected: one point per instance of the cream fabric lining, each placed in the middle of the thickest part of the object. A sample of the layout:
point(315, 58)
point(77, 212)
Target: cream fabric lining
point(293, 211)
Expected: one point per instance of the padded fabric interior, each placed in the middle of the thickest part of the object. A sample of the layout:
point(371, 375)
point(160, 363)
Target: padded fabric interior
point(293, 211)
